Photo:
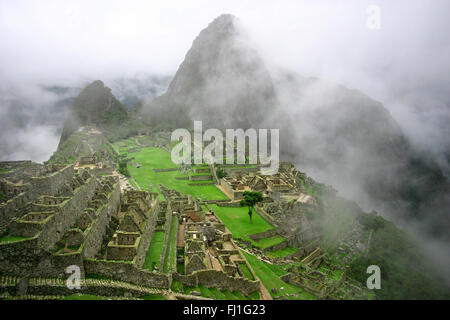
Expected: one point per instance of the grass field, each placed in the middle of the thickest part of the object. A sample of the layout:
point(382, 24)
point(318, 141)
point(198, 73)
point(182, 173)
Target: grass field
point(154, 251)
point(282, 252)
point(238, 222)
point(268, 242)
point(171, 252)
point(11, 239)
point(246, 271)
point(154, 158)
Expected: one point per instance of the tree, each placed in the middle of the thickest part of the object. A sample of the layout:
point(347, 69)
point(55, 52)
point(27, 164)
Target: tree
point(123, 169)
point(221, 173)
point(251, 198)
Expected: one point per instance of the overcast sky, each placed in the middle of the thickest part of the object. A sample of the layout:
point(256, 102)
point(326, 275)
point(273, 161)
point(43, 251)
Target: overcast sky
point(405, 63)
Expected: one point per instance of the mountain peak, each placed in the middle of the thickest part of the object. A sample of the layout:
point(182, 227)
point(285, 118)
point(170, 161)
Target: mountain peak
point(96, 83)
point(225, 21)
point(90, 107)
point(224, 27)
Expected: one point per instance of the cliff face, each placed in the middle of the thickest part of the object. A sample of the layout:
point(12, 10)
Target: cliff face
point(95, 105)
point(222, 81)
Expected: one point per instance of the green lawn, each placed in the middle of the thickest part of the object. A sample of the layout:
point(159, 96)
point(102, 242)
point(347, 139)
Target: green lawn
point(246, 271)
point(282, 252)
point(171, 252)
point(154, 158)
point(11, 239)
point(154, 251)
point(238, 222)
point(269, 274)
point(268, 242)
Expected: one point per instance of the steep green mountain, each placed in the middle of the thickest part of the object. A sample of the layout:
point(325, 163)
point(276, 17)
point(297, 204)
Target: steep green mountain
point(95, 105)
point(222, 81)
point(351, 141)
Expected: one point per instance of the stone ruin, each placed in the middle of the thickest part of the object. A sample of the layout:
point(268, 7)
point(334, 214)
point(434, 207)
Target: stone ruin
point(206, 247)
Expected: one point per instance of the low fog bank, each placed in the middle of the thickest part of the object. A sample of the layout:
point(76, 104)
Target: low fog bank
point(31, 120)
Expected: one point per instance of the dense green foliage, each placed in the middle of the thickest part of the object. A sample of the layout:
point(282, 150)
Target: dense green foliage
point(250, 199)
point(405, 272)
point(220, 173)
point(123, 168)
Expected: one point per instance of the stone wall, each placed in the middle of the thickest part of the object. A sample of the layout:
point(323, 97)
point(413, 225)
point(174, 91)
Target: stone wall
point(262, 235)
point(147, 235)
point(94, 234)
point(200, 177)
point(51, 184)
point(189, 280)
point(48, 185)
point(127, 272)
point(164, 170)
point(222, 281)
point(21, 170)
point(57, 287)
point(122, 252)
point(25, 258)
point(174, 266)
point(15, 207)
point(242, 170)
point(228, 204)
point(265, 216)
point(276, 247)
point(218, 279)
point(201, 184)
point(70, 211)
